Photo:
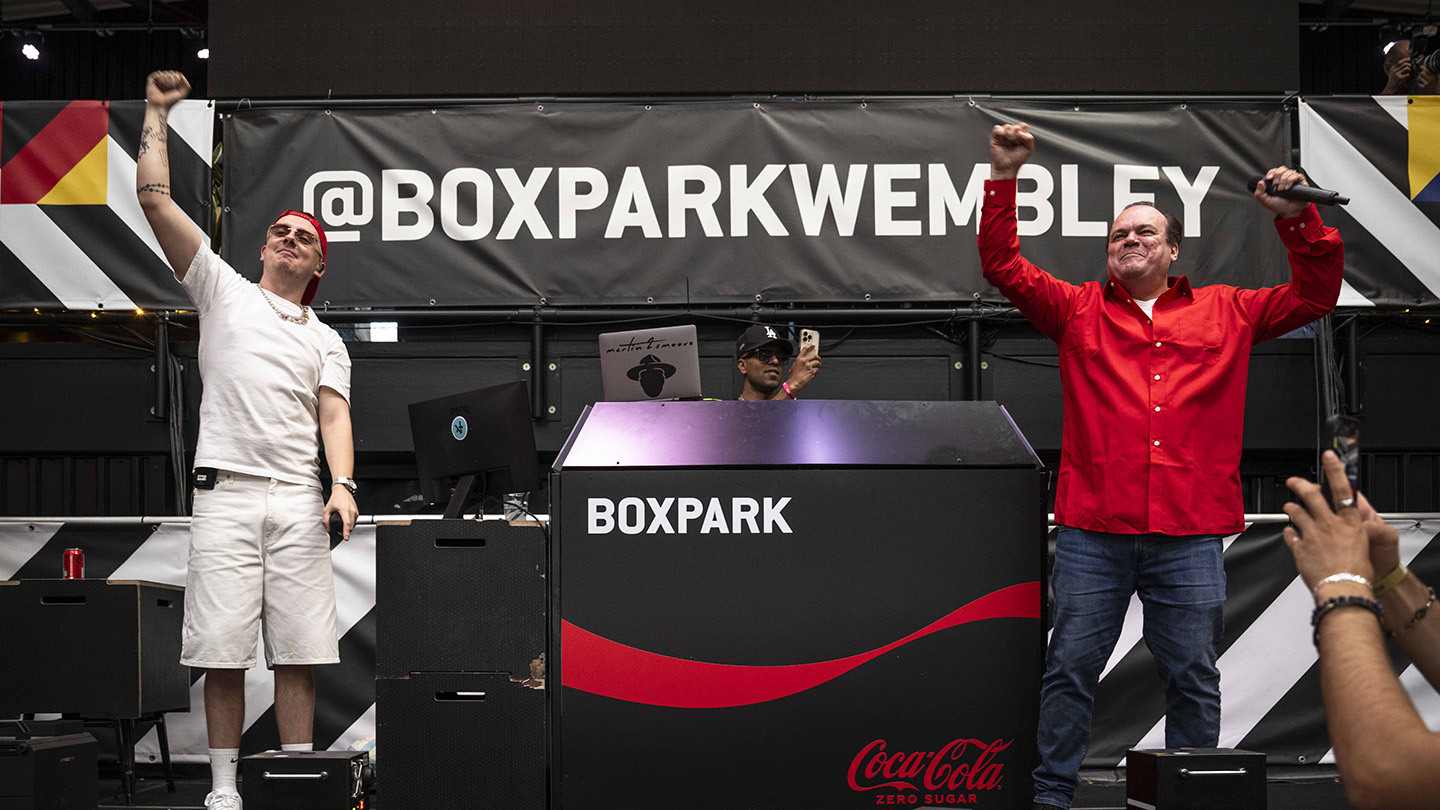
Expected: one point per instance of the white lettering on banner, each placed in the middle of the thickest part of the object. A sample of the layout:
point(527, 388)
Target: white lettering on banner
point(1037, 199)
point(1124, 176)
point(394, 204)
point(1070, 223)
point(749, 198)
point(337, 205)
point(702, 202)
point(828, 194)
point(633, 207)
point(716, 515)
point(944, 200)
point(450, 204)
point(887, 199)
point(524, 195)
point(572, 201)
point(345, 200)
point(1191, 194)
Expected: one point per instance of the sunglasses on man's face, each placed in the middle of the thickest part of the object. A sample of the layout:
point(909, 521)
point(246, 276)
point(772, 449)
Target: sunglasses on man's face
point(766, 355)
point(305, 238)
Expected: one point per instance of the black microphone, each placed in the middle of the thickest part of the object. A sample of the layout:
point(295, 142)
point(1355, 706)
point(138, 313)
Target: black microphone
point(1300, 192)
point(337, 527)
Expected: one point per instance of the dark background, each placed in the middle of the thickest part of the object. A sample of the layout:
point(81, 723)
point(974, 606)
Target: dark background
point(524, 47)
point(266, 49)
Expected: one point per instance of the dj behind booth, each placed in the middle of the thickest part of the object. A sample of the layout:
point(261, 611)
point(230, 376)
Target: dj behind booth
point(711, 621)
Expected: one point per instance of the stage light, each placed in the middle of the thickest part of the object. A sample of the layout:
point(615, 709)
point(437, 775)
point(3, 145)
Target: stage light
point(203, 53)
point(30, 51)
point(384, 331)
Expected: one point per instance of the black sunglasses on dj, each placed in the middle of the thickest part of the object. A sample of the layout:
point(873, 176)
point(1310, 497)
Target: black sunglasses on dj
point(767, 354)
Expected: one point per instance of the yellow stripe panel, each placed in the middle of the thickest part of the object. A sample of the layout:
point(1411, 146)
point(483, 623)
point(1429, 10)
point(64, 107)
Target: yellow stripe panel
point(85, 184)
point(1424, 114)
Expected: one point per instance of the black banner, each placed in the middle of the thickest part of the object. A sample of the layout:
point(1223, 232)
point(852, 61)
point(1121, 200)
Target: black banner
point(730, 202)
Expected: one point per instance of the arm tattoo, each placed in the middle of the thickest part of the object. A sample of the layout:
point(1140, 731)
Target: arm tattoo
point(157, 136)
point(154, 188)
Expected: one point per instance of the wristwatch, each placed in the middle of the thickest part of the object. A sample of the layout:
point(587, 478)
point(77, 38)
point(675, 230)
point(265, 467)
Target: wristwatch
point(348, 483)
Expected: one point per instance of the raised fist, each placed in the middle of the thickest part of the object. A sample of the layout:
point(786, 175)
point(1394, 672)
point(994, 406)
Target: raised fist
point(165, 87)
point(1011, 145)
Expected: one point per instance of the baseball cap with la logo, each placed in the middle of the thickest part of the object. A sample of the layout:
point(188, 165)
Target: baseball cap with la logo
point(760, 335)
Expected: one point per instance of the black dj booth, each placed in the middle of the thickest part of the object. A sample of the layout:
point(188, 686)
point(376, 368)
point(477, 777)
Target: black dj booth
point(790, 605)
point(794, 605)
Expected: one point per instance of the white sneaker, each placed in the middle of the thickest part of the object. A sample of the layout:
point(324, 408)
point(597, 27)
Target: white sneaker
point(222, 801)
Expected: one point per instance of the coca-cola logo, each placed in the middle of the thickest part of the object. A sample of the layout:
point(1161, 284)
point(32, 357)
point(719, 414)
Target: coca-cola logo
point(951, 775)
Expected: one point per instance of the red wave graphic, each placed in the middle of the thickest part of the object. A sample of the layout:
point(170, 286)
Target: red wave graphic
point(608, 668)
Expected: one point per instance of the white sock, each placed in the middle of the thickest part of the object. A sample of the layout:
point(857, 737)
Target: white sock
point(310, 746)
point(223, 762)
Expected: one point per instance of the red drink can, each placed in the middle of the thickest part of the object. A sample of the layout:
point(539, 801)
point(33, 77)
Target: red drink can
point(74, 563)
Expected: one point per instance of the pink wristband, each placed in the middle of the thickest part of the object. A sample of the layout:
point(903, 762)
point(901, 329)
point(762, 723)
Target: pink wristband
point(788, 392)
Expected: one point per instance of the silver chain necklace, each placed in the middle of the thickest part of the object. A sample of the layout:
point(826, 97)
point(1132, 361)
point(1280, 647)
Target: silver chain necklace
point(304, 310)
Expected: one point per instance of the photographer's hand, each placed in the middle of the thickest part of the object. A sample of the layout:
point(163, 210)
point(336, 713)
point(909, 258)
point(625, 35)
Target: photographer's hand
point(1425, 83)
point(1398, 84)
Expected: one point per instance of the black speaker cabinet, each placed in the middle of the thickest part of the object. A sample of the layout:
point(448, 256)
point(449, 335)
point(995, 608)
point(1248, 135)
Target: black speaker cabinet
point(1195, 779)
point(49, 773)
point(304, 780)
point(459, 596)
point(459, 741)
point(91, 646)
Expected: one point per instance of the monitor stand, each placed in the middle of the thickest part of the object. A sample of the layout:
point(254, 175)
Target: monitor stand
point(464, 490)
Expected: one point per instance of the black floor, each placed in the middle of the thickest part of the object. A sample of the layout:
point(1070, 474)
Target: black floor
point(1296, 788)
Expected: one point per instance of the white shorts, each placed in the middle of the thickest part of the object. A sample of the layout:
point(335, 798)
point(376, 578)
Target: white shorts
point(257, 548)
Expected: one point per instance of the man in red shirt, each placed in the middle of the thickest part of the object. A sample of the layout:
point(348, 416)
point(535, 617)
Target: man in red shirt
point(1153, 375)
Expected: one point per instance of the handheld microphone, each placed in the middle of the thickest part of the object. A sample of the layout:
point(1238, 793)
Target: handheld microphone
point(1300, 192)
point(337, 526)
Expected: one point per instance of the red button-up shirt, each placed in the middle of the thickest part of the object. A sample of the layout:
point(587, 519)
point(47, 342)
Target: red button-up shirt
point(1154, 408)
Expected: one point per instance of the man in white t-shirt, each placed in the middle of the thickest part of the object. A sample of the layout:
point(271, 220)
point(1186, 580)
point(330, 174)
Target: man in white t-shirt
point(276, 382)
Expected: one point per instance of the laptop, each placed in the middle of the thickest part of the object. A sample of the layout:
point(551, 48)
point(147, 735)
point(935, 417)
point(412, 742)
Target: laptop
point(646, 365)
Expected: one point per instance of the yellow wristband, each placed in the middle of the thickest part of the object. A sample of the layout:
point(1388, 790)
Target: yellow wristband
point(1391, 579)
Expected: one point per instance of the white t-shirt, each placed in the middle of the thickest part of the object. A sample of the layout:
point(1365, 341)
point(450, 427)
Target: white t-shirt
point(1148, 307)
point(260, 410)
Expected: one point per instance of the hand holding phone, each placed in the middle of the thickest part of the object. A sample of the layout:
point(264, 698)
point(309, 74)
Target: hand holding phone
point(1342, 435)
point(810, 337)
point(807, 362)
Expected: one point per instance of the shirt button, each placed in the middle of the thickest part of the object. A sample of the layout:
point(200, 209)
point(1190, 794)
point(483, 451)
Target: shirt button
point(1157, 442)
point(992, 194)
point(1158, 344)
point(1157, 376)
point(1157, 408)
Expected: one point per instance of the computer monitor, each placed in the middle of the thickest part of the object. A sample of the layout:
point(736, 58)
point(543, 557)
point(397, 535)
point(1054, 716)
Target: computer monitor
point(483, 438)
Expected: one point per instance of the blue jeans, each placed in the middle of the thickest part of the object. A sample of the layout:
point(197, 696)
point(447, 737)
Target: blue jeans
point(1181, 582)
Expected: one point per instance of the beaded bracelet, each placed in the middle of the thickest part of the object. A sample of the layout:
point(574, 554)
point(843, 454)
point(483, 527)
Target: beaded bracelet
point(1333, 578)
point(1414, 620)
point(1324, 608)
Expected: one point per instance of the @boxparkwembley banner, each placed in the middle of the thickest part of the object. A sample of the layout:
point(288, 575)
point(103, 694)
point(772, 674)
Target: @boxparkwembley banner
point(734, 202)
